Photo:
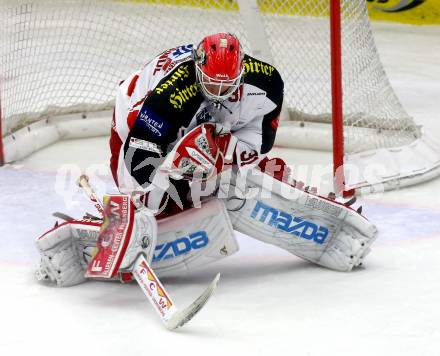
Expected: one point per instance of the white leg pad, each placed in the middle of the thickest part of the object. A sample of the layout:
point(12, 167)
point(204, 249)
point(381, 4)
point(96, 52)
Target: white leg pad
point(319, 230)
point(194, 238)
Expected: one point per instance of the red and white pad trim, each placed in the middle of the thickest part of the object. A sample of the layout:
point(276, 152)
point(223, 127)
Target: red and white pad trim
point(113, 238)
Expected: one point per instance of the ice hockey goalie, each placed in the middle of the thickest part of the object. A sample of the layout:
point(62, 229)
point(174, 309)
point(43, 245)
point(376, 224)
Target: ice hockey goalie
point(190, 136)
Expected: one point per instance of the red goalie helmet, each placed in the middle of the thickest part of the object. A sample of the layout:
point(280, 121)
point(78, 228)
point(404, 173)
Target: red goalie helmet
point(219, 65)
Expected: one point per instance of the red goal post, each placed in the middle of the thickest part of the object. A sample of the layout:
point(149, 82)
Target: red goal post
point(337, 109)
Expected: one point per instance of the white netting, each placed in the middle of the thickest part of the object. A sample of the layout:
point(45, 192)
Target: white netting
point(64, 56)
point(368, 101)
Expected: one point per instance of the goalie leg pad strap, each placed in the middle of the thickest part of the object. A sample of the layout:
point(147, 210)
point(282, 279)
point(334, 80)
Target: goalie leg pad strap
point(309, 226)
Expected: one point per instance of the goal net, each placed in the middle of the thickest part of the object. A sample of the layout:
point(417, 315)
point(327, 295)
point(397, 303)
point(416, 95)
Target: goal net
point(66, 57)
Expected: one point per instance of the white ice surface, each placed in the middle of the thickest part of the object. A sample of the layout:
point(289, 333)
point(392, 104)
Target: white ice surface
point(268, 301)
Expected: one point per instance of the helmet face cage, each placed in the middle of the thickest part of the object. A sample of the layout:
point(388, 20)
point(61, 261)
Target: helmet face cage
point(216, 89)
point(219, 68)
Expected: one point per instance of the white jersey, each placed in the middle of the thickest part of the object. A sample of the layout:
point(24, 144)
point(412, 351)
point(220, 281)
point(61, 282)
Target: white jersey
point(160, 103)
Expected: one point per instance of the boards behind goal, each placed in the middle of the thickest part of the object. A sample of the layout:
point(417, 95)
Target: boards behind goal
point(61, 60)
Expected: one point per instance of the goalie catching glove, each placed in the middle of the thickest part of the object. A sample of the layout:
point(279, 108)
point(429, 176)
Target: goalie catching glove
point(200, 154)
